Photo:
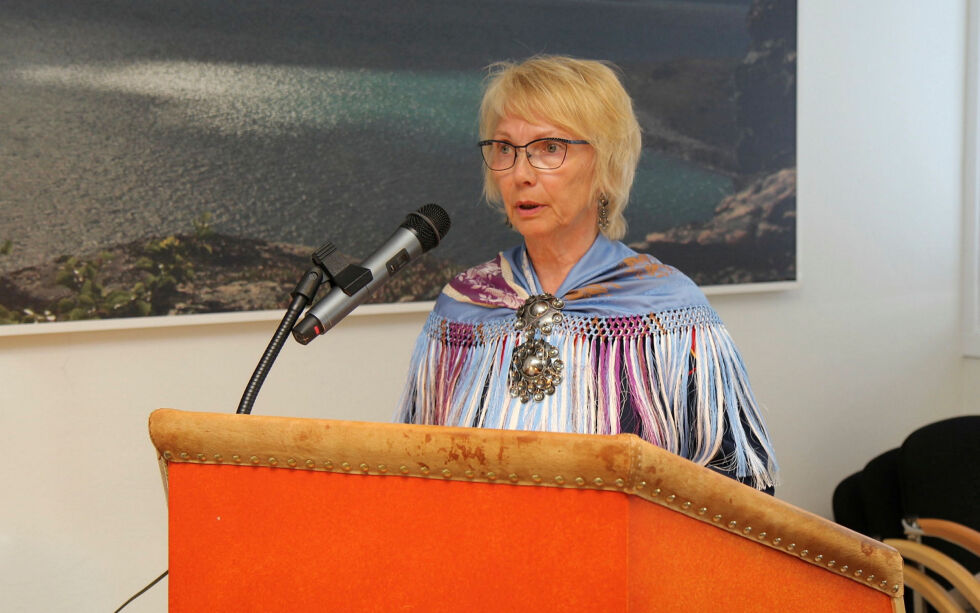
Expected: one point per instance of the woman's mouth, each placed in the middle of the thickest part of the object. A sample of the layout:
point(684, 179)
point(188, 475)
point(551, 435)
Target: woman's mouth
point(527, 208)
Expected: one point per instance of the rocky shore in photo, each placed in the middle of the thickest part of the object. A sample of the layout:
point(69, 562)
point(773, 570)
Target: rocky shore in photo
point(199, 272)
point(750, 239)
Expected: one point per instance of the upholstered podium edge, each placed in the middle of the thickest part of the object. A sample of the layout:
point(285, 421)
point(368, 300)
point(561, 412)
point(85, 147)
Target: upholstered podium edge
point(623, 463)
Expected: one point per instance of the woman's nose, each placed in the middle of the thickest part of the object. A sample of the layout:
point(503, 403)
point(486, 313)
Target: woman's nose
point(523, 171)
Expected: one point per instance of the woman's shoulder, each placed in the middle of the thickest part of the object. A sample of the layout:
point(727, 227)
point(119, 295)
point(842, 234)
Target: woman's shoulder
point(615, 276)
point(489, 285)
point(481, 292)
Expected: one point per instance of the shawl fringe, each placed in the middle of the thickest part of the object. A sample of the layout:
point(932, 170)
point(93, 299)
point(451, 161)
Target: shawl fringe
point(685, 380)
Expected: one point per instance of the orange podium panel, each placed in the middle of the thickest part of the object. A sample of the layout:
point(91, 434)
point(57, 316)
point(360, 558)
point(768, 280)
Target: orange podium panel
point(280, 514)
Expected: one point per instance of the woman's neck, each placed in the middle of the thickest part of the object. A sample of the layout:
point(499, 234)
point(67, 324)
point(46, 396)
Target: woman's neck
point(553, 260)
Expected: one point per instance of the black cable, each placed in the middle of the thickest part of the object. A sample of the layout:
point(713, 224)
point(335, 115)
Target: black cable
point(140, 593)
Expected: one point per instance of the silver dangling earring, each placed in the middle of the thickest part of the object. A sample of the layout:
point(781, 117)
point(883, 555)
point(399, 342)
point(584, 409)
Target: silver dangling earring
point(603, 212)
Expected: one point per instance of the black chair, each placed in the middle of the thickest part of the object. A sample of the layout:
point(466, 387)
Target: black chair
point(929, 491)
point(939, 472)
point(869, 501)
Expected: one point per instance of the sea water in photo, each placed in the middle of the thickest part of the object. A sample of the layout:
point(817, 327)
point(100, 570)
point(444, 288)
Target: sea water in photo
point(116, 127)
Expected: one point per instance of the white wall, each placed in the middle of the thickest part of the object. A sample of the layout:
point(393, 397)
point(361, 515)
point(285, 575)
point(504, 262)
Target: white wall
point(868, 349)
point(864, 351)
point(971, 385)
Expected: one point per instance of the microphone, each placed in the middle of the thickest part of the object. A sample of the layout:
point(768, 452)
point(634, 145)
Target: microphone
point(421, 231)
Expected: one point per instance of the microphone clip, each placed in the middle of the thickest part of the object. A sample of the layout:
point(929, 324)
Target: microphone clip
point(339, 271)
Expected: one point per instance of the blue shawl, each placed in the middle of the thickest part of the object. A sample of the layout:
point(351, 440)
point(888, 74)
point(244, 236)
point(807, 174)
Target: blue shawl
point(643, 351)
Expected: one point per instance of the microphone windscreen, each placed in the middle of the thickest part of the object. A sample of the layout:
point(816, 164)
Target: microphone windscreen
point(430, 224)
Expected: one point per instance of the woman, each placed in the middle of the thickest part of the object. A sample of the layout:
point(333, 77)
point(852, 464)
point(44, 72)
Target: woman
point(573, 331)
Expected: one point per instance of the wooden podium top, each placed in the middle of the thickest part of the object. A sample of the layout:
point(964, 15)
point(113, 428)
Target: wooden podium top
point(622, 463)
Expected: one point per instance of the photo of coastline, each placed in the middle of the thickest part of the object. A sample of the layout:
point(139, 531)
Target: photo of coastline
point(187, 156)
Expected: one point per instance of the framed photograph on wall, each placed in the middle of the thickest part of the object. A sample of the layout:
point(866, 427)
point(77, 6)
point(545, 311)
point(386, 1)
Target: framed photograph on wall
point(168, 158)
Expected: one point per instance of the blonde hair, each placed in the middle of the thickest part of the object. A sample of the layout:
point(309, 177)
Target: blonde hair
point(584, 97)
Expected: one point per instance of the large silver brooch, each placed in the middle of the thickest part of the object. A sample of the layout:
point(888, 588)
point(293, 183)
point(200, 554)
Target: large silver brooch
point(535, 369)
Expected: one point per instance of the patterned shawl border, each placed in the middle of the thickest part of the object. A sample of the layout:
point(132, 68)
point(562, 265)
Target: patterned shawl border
point(632, 326)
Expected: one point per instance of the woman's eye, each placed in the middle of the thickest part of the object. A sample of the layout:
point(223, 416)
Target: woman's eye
point(552, 147)
point(503, 148)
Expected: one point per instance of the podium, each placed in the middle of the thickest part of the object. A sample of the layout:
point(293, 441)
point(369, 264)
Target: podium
point(283, 514)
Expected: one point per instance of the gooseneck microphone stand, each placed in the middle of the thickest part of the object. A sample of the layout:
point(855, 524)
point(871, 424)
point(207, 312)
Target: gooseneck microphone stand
point(326, 262)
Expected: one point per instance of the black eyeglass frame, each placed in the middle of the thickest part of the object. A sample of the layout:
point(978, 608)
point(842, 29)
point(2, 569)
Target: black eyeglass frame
point(567, 141)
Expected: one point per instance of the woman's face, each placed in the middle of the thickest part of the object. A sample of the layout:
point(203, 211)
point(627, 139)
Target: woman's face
point(548, 205)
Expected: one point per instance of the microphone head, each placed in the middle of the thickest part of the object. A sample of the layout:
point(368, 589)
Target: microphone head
point(430, 224)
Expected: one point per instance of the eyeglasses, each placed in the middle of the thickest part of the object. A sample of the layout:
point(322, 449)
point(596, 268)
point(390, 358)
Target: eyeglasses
point(543, 153)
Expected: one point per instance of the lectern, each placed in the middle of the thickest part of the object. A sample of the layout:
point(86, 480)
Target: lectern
point(282, 514)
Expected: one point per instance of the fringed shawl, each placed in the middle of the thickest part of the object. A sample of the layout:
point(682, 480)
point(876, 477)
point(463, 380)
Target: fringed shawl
point(643, 350)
